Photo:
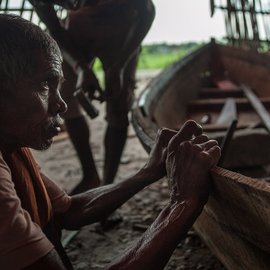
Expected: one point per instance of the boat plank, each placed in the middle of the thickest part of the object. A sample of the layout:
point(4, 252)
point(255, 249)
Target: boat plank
point(213, 104)
point(238, 211)
point(219, 93)
point(246, 67)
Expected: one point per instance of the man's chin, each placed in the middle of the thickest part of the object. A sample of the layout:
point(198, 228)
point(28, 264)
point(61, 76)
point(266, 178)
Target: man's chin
point(42, 145)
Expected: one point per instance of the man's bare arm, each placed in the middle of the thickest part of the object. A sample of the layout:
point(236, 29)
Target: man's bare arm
point(157, 244)
point(96, 204)
point(188, 166)
point(50, 261)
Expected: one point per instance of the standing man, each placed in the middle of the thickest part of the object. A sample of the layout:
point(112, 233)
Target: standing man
point(111, 30)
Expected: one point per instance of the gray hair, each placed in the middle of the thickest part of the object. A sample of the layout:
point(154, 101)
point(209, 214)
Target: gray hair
point(19, 40)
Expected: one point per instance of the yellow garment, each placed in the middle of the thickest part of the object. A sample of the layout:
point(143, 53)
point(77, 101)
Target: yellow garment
point(29, 185)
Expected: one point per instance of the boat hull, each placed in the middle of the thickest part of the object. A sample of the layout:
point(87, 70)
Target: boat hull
point(235, 223)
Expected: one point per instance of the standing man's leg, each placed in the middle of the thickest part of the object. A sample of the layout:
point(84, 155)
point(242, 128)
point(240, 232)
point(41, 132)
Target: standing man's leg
point(79, 133)
point(120, 86)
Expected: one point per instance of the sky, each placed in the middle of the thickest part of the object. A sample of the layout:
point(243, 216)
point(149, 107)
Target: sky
point(180, 21)
point(184, 20)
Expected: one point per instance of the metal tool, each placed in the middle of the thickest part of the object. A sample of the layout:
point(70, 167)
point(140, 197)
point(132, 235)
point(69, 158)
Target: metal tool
point(86, 103)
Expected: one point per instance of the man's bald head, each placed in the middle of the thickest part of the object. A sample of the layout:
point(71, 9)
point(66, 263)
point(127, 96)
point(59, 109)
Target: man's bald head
point(20, 41)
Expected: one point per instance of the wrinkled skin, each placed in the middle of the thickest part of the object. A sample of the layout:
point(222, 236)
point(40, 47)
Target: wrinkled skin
point(158, 155)
point(188, 156)
point(31, 117)
point(188, 164)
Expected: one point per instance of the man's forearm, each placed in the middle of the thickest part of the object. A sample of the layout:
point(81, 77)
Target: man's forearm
point(50, 261)
point(96, 204)
point(157, 244)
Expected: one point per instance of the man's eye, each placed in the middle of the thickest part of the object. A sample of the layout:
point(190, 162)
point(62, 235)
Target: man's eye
point(45, 85)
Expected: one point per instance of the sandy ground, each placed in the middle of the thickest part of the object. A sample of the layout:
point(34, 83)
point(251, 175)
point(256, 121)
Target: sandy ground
point(94, 248)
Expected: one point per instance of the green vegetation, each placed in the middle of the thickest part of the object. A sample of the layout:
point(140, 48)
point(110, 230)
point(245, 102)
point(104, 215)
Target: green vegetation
point(159, 56)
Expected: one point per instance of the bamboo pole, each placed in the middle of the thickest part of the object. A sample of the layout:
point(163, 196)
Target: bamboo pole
point(212, 7)
point(22, 8)
point(227, 23)
point(237, 24)
point(6, 6)
point(230, 22)
point(243, 7)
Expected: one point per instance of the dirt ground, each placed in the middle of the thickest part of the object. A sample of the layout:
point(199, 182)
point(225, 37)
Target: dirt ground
point(94, 248)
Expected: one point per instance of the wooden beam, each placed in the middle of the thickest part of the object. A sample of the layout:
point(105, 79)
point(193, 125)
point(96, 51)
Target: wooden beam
point(219, 93)
point(216, 104)
point(216, 128)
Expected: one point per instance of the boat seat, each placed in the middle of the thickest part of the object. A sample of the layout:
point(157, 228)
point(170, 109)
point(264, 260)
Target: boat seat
point(216, 104)
point(220, 93)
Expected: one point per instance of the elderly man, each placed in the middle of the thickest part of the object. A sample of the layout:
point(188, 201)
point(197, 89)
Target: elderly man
point(34, 209)
point(112, 31)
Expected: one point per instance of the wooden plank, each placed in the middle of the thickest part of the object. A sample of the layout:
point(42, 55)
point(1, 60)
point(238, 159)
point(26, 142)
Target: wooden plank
point(216, 104)
point(247, 148)
point(235, 222)
point(215, 127)
point(258, 106)
point(219, 93)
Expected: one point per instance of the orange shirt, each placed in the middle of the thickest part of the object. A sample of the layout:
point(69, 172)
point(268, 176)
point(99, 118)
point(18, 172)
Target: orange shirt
point(22, 242)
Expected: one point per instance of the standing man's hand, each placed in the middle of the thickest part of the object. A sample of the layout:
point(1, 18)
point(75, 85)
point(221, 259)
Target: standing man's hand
point(156, 162)
point(188, 165)
point(87, 80)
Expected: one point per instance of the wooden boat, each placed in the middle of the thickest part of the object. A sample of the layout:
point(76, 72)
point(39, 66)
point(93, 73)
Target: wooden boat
point(235, 223)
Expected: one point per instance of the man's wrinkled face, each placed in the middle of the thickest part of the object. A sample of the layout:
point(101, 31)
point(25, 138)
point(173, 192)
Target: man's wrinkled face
point(32, 116)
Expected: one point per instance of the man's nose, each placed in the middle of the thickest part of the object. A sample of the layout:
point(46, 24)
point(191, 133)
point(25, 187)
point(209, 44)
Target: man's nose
point(58, 105)
point(63, 106)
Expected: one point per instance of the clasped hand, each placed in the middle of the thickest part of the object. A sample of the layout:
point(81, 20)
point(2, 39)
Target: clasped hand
point(185, 157)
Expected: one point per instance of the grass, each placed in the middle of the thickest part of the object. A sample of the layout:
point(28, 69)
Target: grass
point(159, 56)
point(159, 60)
